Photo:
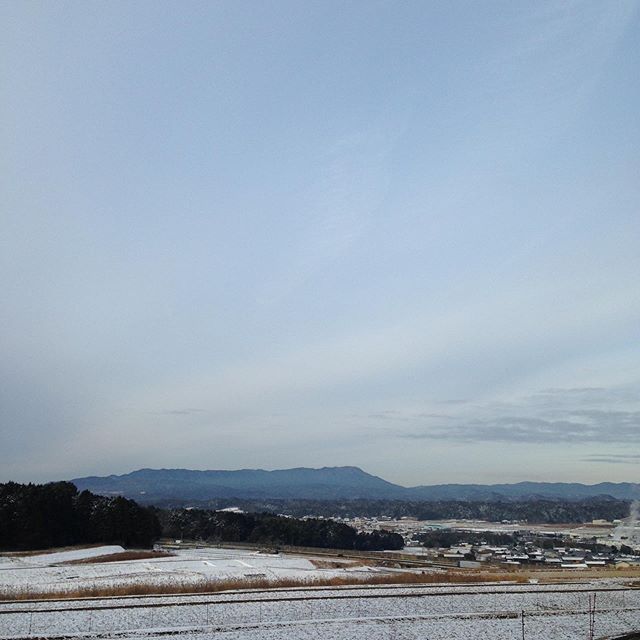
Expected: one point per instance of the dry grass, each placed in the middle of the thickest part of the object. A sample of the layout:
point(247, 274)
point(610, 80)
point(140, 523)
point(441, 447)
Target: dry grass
point(215, 586)
point(122, 556)
point(320, 563)
point(554, 575)
point(38, 552)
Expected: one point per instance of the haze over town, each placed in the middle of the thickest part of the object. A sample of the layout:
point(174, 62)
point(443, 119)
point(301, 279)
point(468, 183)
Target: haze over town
point(402, 236)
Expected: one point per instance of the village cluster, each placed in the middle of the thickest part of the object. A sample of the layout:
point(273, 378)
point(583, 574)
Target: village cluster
point(592, 545)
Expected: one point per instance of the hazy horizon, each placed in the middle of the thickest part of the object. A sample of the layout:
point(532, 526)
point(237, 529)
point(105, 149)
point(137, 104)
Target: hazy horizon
point(398, 236)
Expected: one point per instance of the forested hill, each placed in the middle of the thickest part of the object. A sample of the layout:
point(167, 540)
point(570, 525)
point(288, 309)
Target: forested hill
point(185, 486)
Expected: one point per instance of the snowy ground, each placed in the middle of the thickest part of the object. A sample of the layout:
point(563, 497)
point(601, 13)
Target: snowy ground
point(437, 612)
point(47, 559)
point(190, 566)
point(490, 611)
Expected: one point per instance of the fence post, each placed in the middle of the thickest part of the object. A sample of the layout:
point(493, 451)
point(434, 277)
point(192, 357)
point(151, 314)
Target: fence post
point(30, 621)
point(592, 616)
point(523, 624)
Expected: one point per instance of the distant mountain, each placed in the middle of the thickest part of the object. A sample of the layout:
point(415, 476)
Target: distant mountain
point(152, 485)
point(330, 483)
point(520, 490)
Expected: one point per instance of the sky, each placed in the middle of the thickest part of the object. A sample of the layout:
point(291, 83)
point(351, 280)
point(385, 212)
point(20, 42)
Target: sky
point(403, 236)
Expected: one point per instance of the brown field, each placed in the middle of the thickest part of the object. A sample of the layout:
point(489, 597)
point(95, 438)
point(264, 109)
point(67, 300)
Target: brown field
point(215, 586)
point(122, 556)
point(321, 563)
point(37, 552)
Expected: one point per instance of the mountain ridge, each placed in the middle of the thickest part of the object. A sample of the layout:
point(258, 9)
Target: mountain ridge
point(348, 482)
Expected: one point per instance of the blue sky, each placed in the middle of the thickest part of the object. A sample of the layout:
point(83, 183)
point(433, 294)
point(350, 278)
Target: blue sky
point(398, 235)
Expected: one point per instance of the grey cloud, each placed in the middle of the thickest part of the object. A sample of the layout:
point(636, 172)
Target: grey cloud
point(614, 419)
point(614, 458)
point(591, 426)
point(407, 417)
point(179, 412)
point(568, 415)
point(558, 397)
point(386, 415)
point(572, 390)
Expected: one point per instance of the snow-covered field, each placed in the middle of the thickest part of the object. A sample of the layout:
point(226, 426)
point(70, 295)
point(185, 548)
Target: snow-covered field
point(437, 612)
point(46, 559)
point(489, 611)
point(189, 566)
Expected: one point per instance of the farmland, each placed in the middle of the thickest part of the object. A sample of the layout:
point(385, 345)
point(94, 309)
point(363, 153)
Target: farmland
point(409, 612)
point(352, 612)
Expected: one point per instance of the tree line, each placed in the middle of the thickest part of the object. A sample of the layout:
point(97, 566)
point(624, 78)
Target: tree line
point(272, 530)
point(532, 510)
point(55, 515)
